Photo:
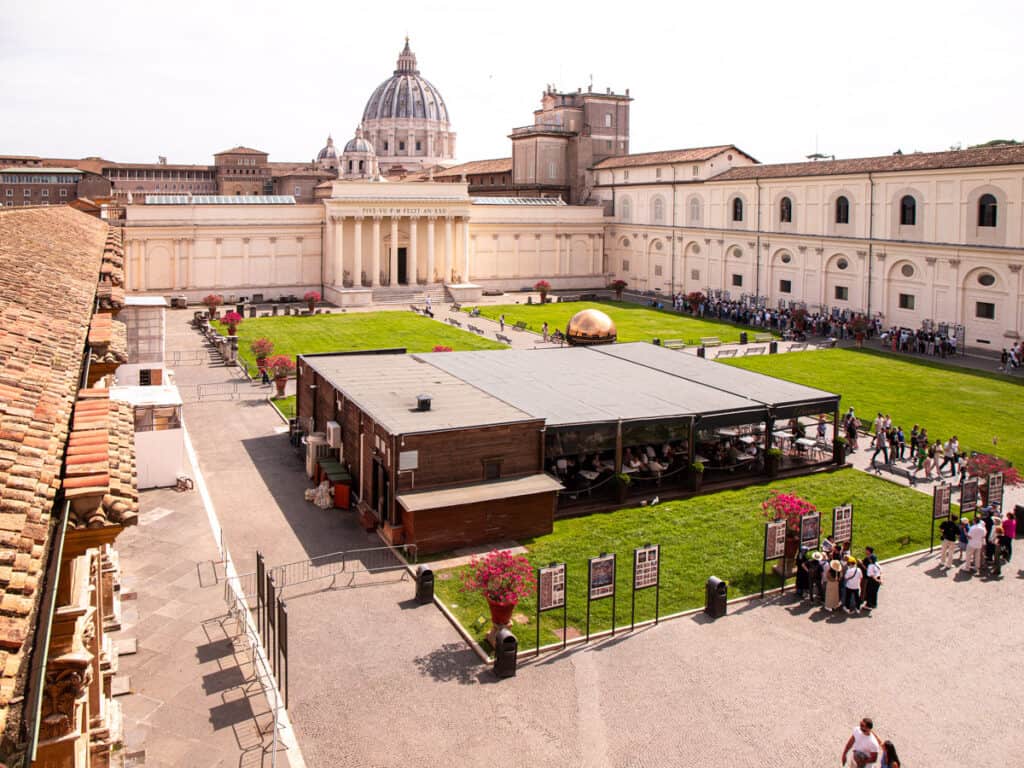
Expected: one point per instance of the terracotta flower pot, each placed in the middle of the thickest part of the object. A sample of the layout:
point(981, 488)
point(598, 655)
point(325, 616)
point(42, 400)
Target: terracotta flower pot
point(311, 305)
point(261, 363)
point(279, 382)
point(232, 330)
point(501, 614)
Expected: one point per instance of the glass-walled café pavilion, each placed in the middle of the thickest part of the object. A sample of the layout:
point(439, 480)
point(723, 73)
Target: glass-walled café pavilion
point(649, 412)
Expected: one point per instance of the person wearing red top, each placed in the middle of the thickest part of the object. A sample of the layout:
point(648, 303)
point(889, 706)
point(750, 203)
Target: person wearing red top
point(1009, 533)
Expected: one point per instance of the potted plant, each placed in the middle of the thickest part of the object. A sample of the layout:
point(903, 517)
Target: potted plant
point(622, 483)
point(772, 459)
point(261, 349)
point(791, 508)
point(694, 300)
point(311, 298)
point(696, 476)
point(839, 449)
point(503, 579)
point(231, 320)
point(860, 328)
point(618, 286)
point(281, 367)
point(543, 286)
point(212, 301)
point(984, 465)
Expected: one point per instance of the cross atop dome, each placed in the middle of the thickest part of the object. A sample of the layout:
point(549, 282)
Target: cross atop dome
point(407, 61)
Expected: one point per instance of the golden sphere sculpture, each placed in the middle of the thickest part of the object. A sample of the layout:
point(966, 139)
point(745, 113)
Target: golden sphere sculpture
point(589, 327)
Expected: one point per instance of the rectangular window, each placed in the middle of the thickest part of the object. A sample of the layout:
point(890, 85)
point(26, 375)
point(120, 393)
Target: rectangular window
point(608, 144)
point(625, 265)
point(45, 193)
point(985, 310)
point(625, 175)
point(842, 293)
point(906, 301)
point(418, 146)
point(385, 146)
point(696, 170)
point(695, 274)
point(27, 193)
point(401, 146)
point(492, 469)
point(737, 280)
point(785, 286)
point(298, 190)
point(10, 193)
point(552, 170)
point(657, 270)
point(63, 193)
point(657, 173)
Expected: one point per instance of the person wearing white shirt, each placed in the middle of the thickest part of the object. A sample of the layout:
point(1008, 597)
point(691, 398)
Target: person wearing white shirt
point(864, 745)
point(851, 580)
point(976, 536)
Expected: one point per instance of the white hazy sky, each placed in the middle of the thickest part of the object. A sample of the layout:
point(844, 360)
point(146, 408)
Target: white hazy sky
point(132, 80)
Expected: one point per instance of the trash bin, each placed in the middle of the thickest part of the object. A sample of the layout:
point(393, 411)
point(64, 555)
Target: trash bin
point(240, 309)
point(716, 594)
point(656, 342)
point(425, 586)
point(743, 337)
point(773, 348)
point(505, 653)
point(1018, 512)
point(700, 351)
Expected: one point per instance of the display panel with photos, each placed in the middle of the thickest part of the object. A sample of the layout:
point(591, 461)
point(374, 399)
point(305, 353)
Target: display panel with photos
point(842, 524)
point(645, 566)
point(775, 540)
point(602, 576)
point(551, 592)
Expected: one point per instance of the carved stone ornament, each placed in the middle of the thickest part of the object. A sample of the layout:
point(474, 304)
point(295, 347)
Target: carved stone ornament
point(954, 263)
point(880, 256)
point(751, 243)
point(63, 688)
point(930, 260)
point(802, 248)
point(1015, 268)
point(766, 245)
point(862, 254)
point(819, 251)
point(720, 242)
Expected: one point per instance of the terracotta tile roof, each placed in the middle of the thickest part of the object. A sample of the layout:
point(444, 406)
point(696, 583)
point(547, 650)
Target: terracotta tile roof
point(99, 474)
point(498, 165)
point(49, 262)
point(110, 291)
point(240, 151)
point(108, 340)
point(692, 155)
point(918, 161)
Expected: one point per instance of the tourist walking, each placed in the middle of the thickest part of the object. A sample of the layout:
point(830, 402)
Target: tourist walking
point(501, 322)
point(803, 573)
point(544, 331)
point(851, 581)
point(881, 445)
point(863, 744)
point(950, 534)
point(889, 758)
point(833, 576)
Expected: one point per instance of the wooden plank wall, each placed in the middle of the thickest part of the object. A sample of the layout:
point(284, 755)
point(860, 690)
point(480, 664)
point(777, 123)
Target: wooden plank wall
point(440, 530)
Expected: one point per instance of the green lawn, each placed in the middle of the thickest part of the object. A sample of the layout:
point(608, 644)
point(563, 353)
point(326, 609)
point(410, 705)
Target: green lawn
point(286, 405)
point(719, 534)
point(634, 322)
point(344, 333)
point(973, 405)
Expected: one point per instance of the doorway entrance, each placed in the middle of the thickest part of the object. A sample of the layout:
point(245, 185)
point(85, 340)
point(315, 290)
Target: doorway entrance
point(403, 273)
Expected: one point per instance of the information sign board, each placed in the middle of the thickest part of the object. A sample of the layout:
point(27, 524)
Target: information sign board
point(645, 566)
point(552, 587)
point(602, 576)
point(969, 496)
point(774, 539)
point(995, 490)
point(842, 524)
point(810, 530)
point(941, 502)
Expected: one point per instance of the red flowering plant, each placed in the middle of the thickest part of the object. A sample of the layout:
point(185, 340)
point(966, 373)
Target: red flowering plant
point(787, 506)
point(231, 320)
point(261, 348)
point(694, 300)
point(442, 348)
point(501, 577)
point(618, 286)
point(212, 301)
point(985, 464)
point(311, 298)
point(543, 286)
point(280, 366)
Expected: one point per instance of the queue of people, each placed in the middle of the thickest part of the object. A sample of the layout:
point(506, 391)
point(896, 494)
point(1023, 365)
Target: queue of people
point(980, 544)
point(923, 341)
point(837, 579)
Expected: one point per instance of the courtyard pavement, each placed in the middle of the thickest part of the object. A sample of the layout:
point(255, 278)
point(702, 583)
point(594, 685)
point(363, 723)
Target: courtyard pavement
point(378, 680)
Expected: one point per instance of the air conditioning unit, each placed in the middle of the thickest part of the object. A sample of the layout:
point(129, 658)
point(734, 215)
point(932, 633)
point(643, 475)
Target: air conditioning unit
point(316, 448)
point(334, 434)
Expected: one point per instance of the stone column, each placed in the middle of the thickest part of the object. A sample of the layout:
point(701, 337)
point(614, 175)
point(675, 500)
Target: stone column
point(412, 268)
point(518, 269)
point(357, 252)
point(430, 249)
point(465, 245)
point(375, 251)
point(216, 261)
point(143, 265)
point(190, 275)
point(245, 261)
point(273, 261)
point(1016, 294)
point(393, 270)
point(299, 257)
point(558, 254)
point(339, 250)
point(958, 314)
point(448, 255)
point(327, 249)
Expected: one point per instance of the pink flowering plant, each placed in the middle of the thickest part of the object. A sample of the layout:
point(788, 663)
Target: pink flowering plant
point(280, 366)
point(985, 464)
point(501, 577)
point(311, 298)
point(442, 348)
point(231, 320)
point(787, 506)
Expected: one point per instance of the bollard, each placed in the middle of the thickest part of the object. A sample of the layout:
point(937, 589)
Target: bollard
point(506, 653)
point(701, 351)
point(424, 585)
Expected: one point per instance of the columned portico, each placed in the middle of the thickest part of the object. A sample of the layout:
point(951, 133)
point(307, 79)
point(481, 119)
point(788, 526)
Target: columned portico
point(412, 269)
point(393, 269)
point(431, 277)
point(449, 259)
point(375, 246)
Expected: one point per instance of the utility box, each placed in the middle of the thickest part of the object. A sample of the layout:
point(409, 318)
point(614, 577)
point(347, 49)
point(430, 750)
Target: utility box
point(716, 596)
point(506, 653)
point(743, 337)
point(701, 351)
point(425, 586)
point(773, 348)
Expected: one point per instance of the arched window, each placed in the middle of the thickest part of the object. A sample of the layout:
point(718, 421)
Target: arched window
point(785, 210)
point(625, 209)
point(987, 211)
point(737, 209)
point(695, 210)
point(842, 210)
point(659, 210)
point(908, 211)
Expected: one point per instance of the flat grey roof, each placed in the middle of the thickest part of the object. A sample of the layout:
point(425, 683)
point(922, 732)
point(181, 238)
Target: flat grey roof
point(386, 386)
point(577, 385)
point(748, 384)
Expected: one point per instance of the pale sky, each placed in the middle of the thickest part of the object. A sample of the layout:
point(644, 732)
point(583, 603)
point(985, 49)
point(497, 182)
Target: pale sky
point(130, 81)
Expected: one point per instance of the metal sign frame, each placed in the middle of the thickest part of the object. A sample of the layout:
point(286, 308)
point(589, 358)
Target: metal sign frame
point(553, 571)
point(268, 640)
point(941, 506)
point(771, 535)
point(642, 567)
point(806, 527)
point(842, 517)
point(282, 647)
point(600, 560)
